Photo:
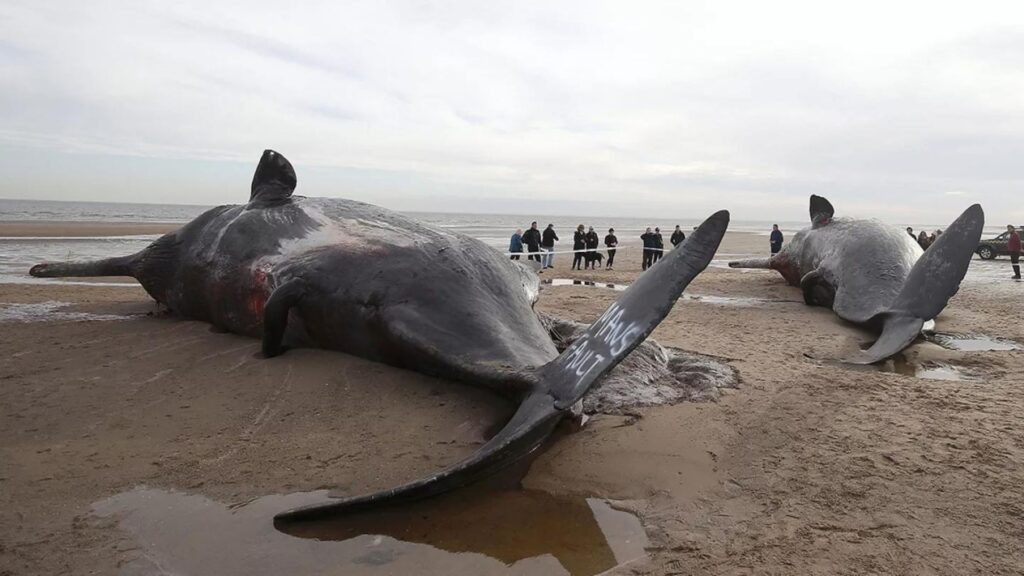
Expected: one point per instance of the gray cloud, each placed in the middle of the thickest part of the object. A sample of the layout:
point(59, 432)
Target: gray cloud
point(636, 108)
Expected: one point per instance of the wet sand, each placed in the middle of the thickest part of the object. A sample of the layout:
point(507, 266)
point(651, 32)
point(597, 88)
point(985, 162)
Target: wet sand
point(809, 467)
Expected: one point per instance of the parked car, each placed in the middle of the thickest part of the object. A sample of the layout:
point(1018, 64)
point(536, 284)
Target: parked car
point(992, 248)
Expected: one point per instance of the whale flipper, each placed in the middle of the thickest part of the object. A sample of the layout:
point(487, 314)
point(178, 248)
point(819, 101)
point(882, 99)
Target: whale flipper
point(275, 314)
point(561, 382)
point(934, 279)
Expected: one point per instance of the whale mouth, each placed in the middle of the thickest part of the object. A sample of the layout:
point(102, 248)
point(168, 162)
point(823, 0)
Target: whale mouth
point(476, 531)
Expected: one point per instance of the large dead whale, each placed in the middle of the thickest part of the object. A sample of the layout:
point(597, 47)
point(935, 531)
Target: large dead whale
point(352, 277)
point(874, 274)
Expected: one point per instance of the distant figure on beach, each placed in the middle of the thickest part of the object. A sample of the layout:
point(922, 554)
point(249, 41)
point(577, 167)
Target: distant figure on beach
point(1013, 247)
point(911, 232)
point(611, 241)
point(776, 239)
point(592, 242)
point(579, 245)
point(515, 246)
point(648, 239)
point(532, 240)
point(548, 244)
point(923, 240)
point(677, 237)
point(659, 245)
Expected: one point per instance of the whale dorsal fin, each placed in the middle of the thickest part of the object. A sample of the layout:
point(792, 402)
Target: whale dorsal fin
point(274, 180)
point(821, 211)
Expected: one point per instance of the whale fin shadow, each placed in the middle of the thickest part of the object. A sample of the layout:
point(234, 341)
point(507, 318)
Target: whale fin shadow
point(561, 382)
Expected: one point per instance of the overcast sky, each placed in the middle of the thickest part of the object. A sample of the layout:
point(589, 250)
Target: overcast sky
point(908, 111)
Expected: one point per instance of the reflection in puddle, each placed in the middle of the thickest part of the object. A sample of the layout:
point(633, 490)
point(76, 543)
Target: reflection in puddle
point(469, 532)
point(48, 312)
point(899, 364)
point(927, 370)
point(973, 342)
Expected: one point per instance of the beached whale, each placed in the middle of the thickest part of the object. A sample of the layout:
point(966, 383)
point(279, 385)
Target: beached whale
point(352, 277)
point(870, 273)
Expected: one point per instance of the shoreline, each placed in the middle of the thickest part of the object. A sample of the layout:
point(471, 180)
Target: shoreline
point(74, 228)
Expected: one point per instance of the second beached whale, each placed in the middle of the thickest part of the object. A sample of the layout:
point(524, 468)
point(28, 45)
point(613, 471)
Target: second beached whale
point(874, 274)
point(349, 276)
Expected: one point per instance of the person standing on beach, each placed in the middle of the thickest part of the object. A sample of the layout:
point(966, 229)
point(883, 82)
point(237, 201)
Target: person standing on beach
point(776, 239)
point(592, 242)
point(532, 240)
point(1013, 247)
point(611, 242)
point(648, 239)
point(548, 244)
point(515, 246)
point(677, 237)
point(579, 245)
point(659, 246)
point(922, 239)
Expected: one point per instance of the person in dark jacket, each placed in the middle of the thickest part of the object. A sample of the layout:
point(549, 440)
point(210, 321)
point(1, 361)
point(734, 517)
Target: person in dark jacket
point(677, 237)
point(592, 242)
point(649, 244)
point(515, 246)
point(579, 246)
point(1013, 247)
point(548, 244)
point(776, 239)
point(532, 240)
point(922, 239)
point(611, 242)
point(659, 246)
point(911, 232)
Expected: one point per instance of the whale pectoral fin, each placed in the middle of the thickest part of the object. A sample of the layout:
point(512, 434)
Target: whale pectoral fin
point(818, 291)
point(561, 382)
point(821, 211)
point(898, 332)
point(274, 180)
point(275, 315)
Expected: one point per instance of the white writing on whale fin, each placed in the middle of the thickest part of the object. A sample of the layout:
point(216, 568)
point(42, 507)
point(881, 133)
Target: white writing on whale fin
point(606, 339)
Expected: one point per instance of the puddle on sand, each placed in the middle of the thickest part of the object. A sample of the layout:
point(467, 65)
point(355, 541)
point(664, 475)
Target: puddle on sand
point(927, 370)
point(571, 282)
point(899, 364)
point(739, 301)
point(467, 532)
point(973, 342)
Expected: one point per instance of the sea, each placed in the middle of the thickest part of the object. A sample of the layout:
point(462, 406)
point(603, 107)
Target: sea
point(17, 255)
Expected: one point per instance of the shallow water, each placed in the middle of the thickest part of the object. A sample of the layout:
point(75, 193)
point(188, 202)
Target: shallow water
point(474, 531)
point(49, 311)
point(740, 301)
point(973, 342)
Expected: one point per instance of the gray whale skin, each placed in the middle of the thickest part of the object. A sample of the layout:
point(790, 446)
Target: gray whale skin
point(873, 274)
point(348, 276)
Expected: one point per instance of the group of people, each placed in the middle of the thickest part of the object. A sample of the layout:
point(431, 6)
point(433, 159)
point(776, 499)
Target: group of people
point(540, 246)
point(924, 239)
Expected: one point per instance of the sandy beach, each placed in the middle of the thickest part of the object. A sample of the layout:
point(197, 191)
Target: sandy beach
point(808, 467)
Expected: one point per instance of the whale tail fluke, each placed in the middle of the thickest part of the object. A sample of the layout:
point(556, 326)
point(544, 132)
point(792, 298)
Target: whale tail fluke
point(933, 280)
point(119, 266)
point(563, 381)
